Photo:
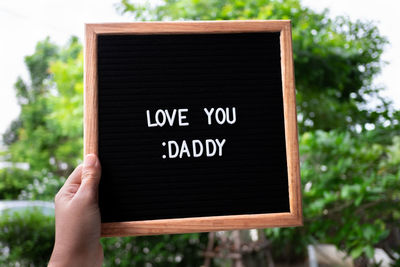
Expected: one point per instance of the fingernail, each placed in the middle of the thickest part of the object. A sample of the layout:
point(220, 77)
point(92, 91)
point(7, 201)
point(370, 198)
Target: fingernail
point(90, 160)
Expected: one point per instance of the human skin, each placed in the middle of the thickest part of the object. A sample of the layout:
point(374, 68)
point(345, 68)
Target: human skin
point(78, 225)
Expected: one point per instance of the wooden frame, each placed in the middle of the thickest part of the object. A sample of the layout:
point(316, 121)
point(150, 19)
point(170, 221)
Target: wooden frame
point(201, 224)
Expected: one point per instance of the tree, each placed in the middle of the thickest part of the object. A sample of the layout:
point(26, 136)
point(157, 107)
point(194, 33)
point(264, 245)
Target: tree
point(335, 59)
point(47, 135)
point(349, 150)
point(351, 189)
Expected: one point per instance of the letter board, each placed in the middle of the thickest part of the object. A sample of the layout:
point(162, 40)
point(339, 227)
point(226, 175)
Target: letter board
point(194, 124)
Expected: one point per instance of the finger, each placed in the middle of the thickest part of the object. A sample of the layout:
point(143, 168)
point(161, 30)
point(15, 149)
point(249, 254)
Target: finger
point(71, 185)
point(74, 178)
point(91, 172)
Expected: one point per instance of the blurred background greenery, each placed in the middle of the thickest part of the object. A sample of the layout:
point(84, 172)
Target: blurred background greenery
point(349, 146)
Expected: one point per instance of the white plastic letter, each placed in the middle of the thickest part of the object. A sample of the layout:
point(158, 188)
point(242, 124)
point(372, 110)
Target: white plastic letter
point(170, 154)
point(233, 120)
point(170, 118)
point(149, 124)
point(162, 122)
point(209, 113)
point(208, 151)
point(182, 117)
point(220, 145)
point(220, 111)
point(196, 153)
point(184, 149)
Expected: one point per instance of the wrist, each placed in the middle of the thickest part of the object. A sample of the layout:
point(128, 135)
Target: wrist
point(62, 256)
point(57, 259)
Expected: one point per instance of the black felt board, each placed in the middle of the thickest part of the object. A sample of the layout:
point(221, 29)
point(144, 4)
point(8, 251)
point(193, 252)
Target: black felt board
point(194, 71)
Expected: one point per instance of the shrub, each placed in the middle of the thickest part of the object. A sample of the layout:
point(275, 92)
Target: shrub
point(26, 238)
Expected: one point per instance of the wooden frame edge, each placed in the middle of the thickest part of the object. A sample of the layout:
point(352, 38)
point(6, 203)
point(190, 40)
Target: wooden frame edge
point(290, 114)
point(90, 112)
point(177, 27)
point(200, 224)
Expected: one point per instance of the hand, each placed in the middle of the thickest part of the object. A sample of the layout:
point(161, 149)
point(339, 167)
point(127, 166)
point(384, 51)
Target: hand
point(78, 225)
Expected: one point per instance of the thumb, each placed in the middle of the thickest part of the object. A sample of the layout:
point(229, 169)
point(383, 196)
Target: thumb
point(91, 173)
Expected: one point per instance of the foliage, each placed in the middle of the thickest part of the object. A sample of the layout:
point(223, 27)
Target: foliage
point(48, 136)
point(351, 191)
point(48, 133)
point(351, 195)
point(12, 182)
point(26, 238)
point(335, 59)
point(22, 232)
point(348, 132)
point(349, 148)
point(164, 250)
